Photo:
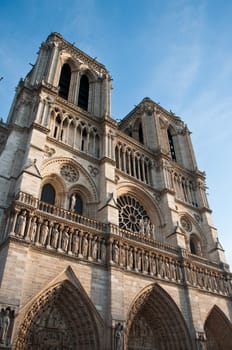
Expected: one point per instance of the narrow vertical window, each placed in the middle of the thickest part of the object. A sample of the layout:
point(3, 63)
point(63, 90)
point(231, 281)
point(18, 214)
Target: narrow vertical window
point(171, 145)
point(83, 97)
point(141, 133)
point(64, 83)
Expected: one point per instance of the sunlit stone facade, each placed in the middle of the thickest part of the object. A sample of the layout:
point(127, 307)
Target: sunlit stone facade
point(107, 240)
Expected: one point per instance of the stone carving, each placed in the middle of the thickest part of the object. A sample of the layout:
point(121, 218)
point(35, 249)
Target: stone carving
point(55, 235)
point(118, 336)
point(33, 229)
point(146, 263)
point(37, 229)
point(44, 233)
point(103, 250)
point(141, 335)
point(21, 223)
point(6, 317)
point(75, 243)
point(130, 259)
point(94, 248)
point(186, 224)
point(48, 151)
point(93, 170)
point(85, 246)
point(69, 173)
point(115, 252)
point(65, 239)
point(73, 202)
point(201, 341)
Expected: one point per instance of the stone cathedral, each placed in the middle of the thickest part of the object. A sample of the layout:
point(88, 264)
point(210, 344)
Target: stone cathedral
point(106, 236)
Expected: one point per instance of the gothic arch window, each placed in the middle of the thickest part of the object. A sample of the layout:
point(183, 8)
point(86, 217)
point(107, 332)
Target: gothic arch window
point(83, 97)
point(48, 194)
point(195, 245)
point(64, 82)
point(171, 145)
point(76, 203)
point(57, 127)
point(84, 146)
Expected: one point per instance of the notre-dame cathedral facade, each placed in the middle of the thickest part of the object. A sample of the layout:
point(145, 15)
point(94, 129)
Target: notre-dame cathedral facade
point(106, 235)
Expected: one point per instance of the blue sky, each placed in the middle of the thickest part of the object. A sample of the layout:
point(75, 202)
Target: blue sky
point(179, 53)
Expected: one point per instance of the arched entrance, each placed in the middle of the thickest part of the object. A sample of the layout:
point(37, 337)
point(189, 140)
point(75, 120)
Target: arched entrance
point(155, 323)
point(62, 318)
point(218, 330)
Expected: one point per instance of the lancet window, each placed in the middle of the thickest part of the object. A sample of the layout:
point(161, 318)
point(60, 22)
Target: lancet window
point(64, 82)
point(83, 97)
point(133, 163)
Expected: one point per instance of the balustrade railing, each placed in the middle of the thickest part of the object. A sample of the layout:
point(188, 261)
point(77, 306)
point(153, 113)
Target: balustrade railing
point(62, 213)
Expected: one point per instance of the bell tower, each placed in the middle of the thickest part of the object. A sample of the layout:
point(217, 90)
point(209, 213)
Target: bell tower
point(106, 235)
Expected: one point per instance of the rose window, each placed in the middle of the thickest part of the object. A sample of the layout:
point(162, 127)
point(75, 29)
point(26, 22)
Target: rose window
point(69, 173)
point(130, 213)
point(186, 224)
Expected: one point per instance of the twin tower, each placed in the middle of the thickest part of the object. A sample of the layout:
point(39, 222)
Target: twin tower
point(106, 235)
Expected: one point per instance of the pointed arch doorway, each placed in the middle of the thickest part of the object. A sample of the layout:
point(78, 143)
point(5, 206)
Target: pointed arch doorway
point(61, 318)
point(155, 323)
point(218, 330)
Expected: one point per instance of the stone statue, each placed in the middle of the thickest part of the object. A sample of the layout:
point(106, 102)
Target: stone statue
point(44, 232)
point(4, 324)
point(115, 252)
point(55, 236)
point(21, 223)
point(75, 243)
point(73, 202)
point(65, 239)
point(85, 246)
point(33, 229)
point(130, 258)
point(94, 248)
point(103, 250)
point(147, 228)
point(146, 262)
point(153, 235)
point(118, 336)
point(139, 261)
point(141, 227)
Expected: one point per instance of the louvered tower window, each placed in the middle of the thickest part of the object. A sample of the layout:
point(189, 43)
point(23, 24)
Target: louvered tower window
point(171, 145)
point(64, 83)
point(83, 97)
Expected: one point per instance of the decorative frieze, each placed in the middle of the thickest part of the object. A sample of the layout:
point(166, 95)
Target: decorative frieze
point(147, 257)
